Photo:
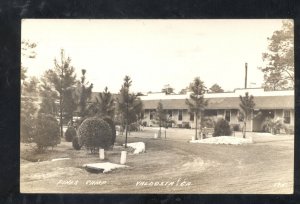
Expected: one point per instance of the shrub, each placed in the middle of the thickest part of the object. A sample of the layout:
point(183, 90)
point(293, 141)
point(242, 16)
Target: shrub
point(222, 128)
point(144, 123)
point(47, 132)
point(289, 130)
point(112, 127)
point(70, 134)
point(95, 133)
point(273, 126)
point(235, 127)
point(208, 122)
point(186, 125)
point(78, 122)
point(75, 143)
point(267, 124)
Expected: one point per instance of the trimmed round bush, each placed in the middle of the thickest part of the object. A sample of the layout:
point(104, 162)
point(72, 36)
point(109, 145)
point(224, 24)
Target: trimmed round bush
point(70, 134)
point(75, 143)
point(113, 129)
point(47, 132)
point(95, 133)
point(222, 128)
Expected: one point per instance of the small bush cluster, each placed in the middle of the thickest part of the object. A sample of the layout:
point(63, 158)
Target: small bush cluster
point(186, 125)
point(222, 128)
point(235, 127)
point(47, 132)
point(273, 126)
point(95, 133)
point(70, 134)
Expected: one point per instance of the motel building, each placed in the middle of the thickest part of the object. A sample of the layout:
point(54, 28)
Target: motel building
point(278, 105)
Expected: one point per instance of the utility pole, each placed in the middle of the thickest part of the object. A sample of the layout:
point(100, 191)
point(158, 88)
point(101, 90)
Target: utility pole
point(246, 72)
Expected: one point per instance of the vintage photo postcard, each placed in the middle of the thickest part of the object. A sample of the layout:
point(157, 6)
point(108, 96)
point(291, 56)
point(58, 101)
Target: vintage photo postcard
point(157, 106)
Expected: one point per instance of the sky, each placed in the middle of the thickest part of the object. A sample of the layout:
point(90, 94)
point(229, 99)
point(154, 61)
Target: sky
point(153, 52)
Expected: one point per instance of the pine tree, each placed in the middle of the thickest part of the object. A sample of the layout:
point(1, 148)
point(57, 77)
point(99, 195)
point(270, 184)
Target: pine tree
point(49, 96)
point(162, 118)
point(104, 105)
point(129, 106)
point(62, 77)
point(197, 103)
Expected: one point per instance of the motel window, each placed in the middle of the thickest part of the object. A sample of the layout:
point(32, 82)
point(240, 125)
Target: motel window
point(191, 116)
point(240, 116)
point(180, 115)
point(142, 115)
point(227, 115)
point(287, 116)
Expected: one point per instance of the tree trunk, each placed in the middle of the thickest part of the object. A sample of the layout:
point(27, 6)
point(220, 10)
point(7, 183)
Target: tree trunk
point(244, 131)
point(159, 133)
point(126, 125)
point(72, 119)
point(165, 133)
point(196, 126)
point(60, 113)
point(200, 128)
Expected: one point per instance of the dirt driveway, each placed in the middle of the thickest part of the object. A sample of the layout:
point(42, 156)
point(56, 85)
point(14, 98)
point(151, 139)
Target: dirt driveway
point(169, 166)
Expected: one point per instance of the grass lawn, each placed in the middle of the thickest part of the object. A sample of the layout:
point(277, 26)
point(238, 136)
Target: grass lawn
point(266, 166)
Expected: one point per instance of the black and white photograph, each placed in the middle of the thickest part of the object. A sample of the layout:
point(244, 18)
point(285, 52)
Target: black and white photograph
point(157, 106)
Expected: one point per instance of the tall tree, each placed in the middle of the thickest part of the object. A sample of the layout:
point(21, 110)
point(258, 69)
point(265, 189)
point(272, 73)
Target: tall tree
point(246, 108)
point(197, 103)
point(29, 107)
point(279, 69)
point(85, 91)
point(162, 118)
point(216, 89)
point(62, 77)
point(48, 94)
point(168, 89)
point(129, 105)
point(69, 104)
point(104, 105)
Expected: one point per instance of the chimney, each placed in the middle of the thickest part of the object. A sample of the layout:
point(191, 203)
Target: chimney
point(246, 70)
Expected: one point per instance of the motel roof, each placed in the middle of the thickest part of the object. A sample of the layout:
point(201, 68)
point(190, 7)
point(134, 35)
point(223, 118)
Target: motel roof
point(229, 100)
point(261, 102)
